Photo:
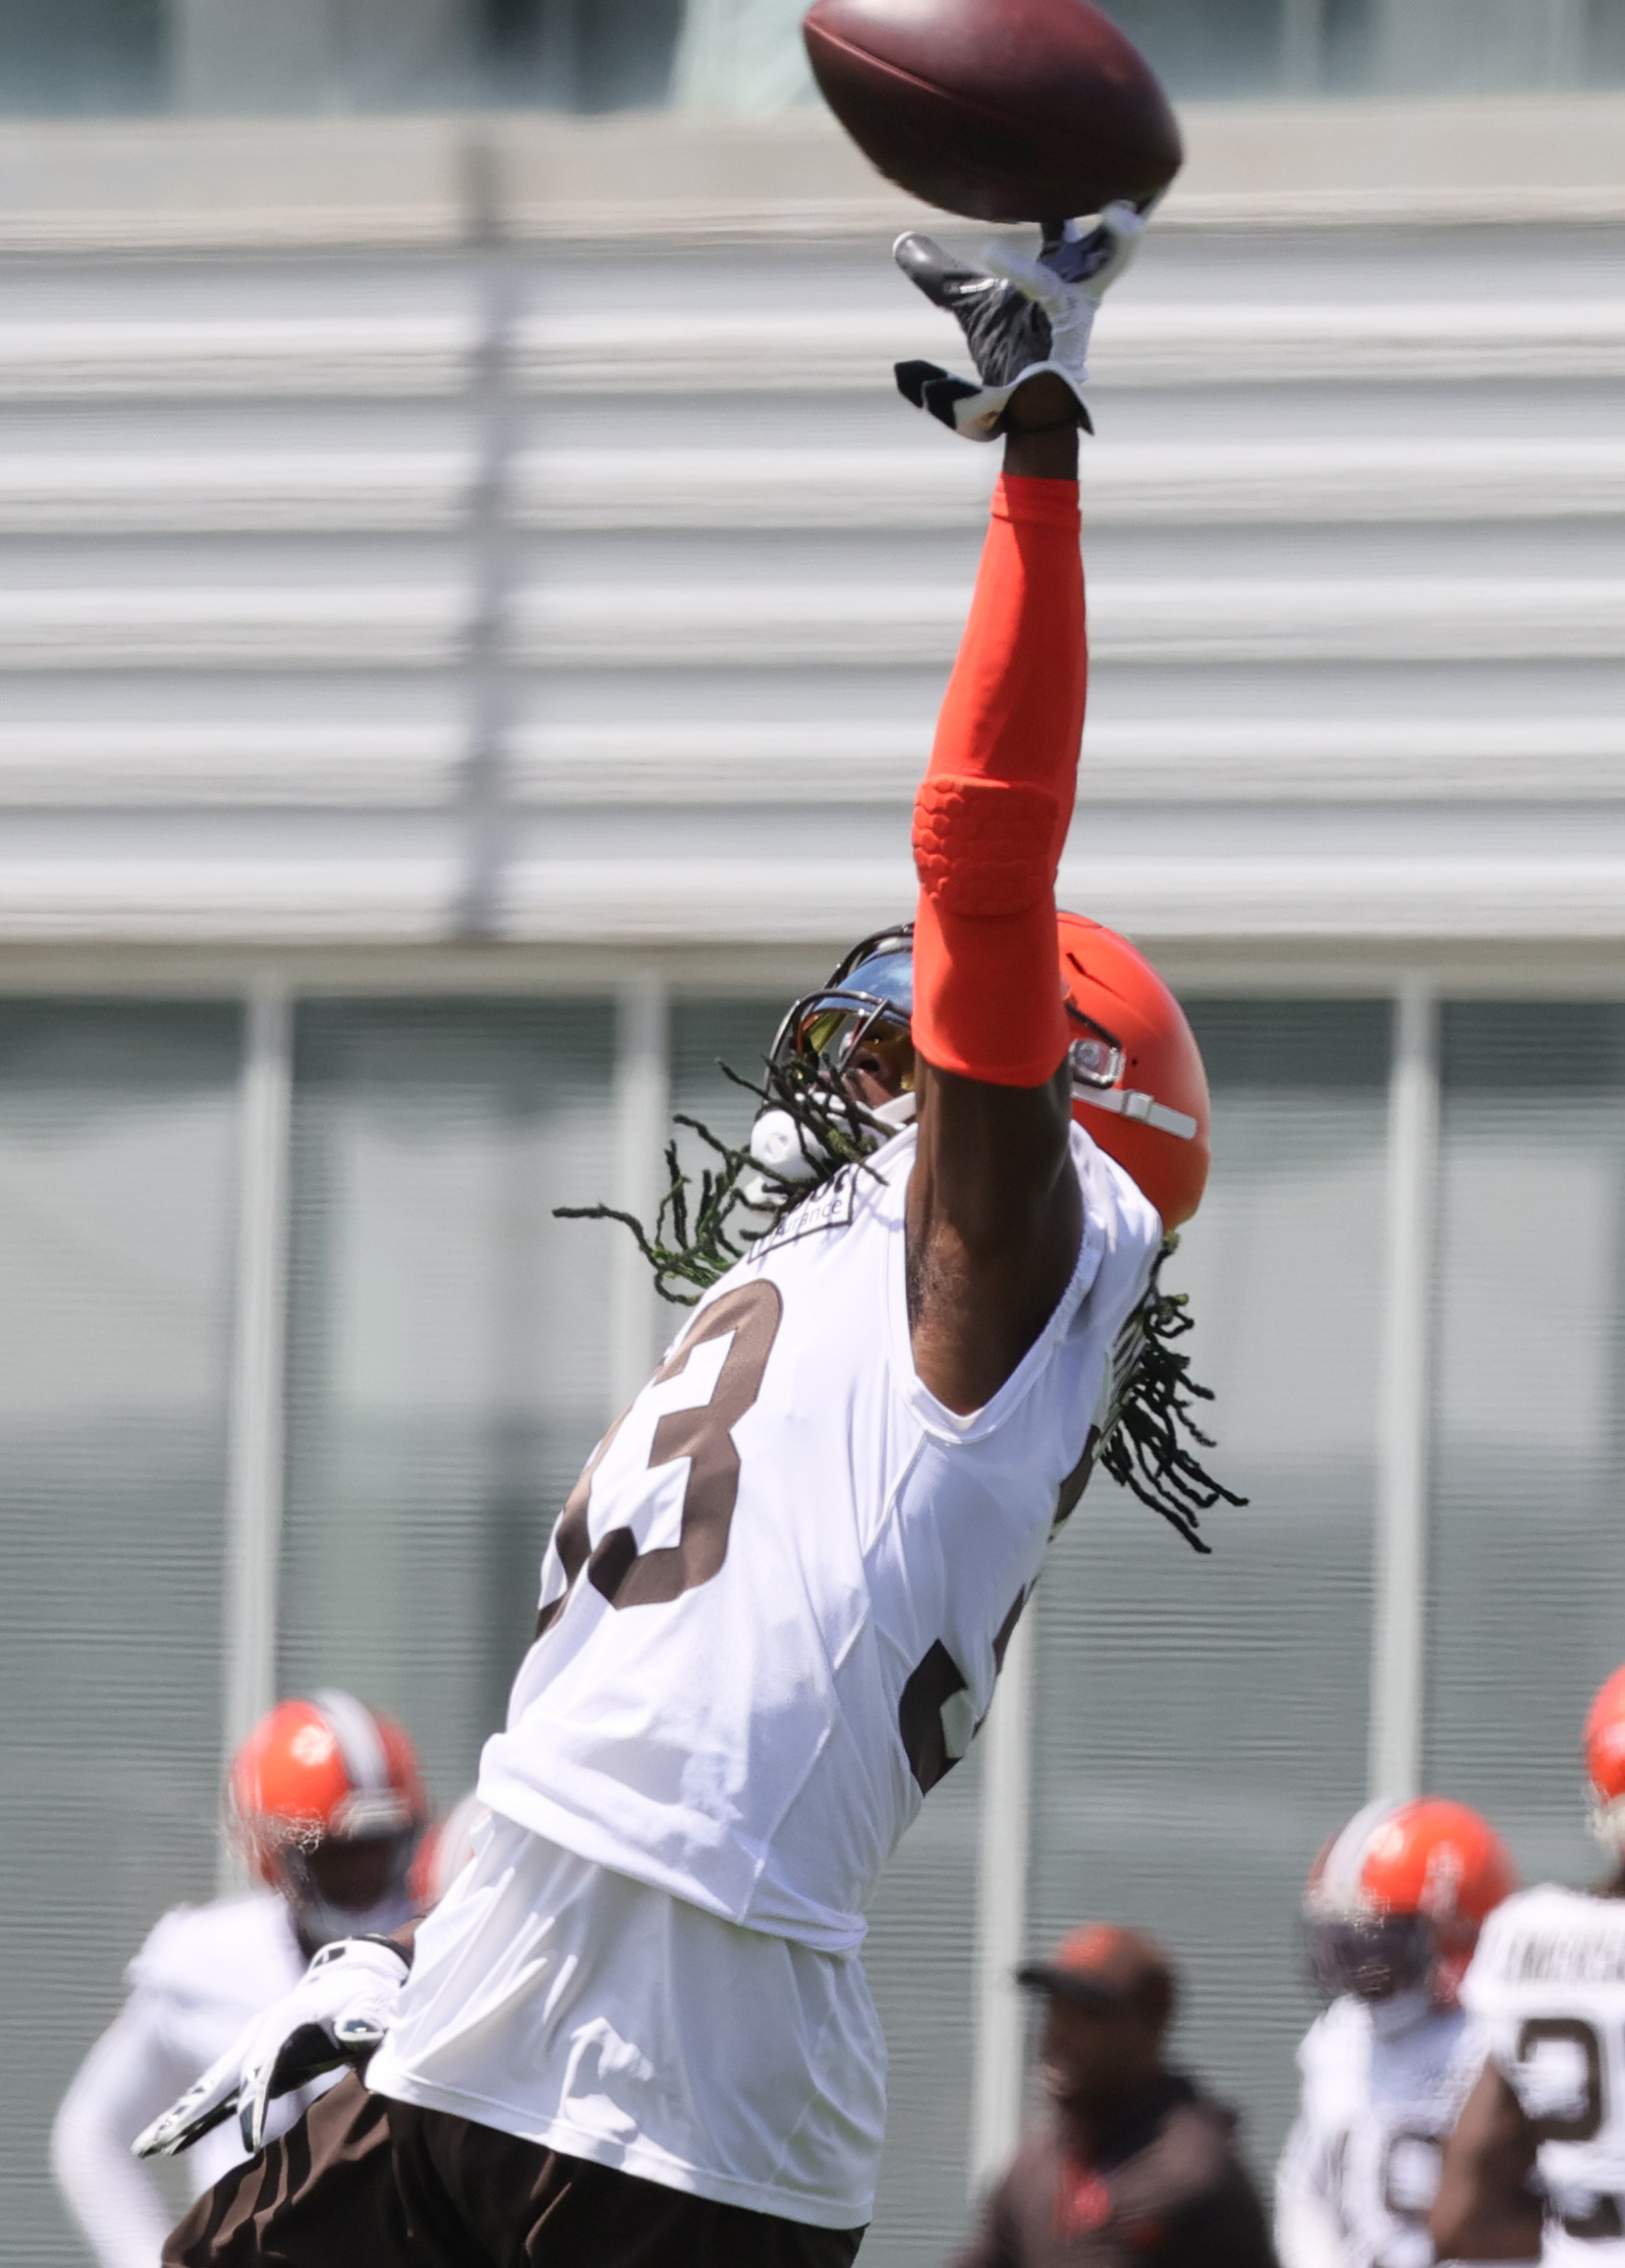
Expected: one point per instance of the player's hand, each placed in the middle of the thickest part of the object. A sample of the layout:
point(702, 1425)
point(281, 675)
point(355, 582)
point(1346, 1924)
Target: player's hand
point(336, 2014)
point(1023, 320)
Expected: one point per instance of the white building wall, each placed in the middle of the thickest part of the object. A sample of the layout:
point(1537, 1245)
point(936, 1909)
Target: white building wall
point(424, 544)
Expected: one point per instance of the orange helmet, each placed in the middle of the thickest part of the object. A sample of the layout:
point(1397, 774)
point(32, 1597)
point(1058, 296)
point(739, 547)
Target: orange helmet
point(1605, 1748)
point(323, 1771)
point(1137, 1086)
point(1398, 1897)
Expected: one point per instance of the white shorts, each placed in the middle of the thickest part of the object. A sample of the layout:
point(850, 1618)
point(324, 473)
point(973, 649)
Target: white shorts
point(595, 2016)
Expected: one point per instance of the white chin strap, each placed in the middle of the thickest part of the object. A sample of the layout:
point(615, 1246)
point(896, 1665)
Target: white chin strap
point(784, 1150)
point(779, 1145)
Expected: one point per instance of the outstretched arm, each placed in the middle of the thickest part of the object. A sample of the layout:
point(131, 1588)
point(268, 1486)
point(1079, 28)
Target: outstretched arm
point(995, 1212)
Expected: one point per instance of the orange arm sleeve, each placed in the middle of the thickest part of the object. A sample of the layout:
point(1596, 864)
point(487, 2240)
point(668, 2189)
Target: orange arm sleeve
point(991, 815)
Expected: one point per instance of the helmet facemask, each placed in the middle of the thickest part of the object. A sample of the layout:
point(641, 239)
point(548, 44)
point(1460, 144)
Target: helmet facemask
point(381, 1902)
point(1376, 1959)
point(841, 1072)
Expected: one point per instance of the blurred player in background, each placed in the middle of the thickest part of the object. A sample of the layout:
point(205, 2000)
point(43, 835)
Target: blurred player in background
point(1536, 2165)
point(1135, 2164)
point(1392, 1911)
point(774, 1607)
point(325, 1803)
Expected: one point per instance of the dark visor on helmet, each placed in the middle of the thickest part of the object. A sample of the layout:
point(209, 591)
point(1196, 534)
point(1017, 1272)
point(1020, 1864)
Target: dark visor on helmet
point(1372, 1959)
point(858, 1024)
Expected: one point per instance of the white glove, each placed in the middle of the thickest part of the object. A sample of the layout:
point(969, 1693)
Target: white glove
point(337, 2014)
point(1020, 317)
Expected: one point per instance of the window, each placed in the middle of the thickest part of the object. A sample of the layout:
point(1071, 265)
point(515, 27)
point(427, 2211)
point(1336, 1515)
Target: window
point(1529, 1548)
point(117, 1170)
point(62, 56)
point(447, 1360)
point(1199, 1726)
point(580, 54)
point(1201, 1723)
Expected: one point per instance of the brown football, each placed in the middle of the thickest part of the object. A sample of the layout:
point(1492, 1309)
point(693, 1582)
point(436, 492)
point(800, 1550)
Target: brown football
point(1007, 110)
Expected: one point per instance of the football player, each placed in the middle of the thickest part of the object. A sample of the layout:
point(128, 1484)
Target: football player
point(1135, 2166)
point(1392, 1911)
point(325, 1802)
point(775, 1604)
point(1536, 2165)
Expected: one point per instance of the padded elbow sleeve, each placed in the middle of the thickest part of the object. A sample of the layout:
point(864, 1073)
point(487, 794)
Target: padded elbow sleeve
point(982, 847)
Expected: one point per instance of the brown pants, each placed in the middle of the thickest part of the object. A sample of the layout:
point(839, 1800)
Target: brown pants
point(366, 2183)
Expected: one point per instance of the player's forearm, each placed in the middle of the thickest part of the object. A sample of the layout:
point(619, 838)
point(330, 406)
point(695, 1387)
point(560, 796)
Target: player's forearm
point(1046, 452)
point(995, 1214)
point(1486, 2208)
point(994, 811)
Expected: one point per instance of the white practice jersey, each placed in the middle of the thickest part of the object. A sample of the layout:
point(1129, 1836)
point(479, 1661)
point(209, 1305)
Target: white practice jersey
point(590, 2013)
point(776, 1606)
point(205, 1972)
point(1548, 1985)
point(1361, 2167)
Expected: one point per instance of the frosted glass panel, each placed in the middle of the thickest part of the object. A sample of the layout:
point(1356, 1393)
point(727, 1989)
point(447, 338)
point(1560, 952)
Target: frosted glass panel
point(920, 1960)
point(117, 1166)
point(708, 1033)
point(448, 1354)
point(1201, 1723)
point(1529, 1545)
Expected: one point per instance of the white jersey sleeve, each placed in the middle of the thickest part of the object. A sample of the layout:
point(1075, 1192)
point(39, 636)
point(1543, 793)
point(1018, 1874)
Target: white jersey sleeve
point(1361, 2167)
point(1309, 2230)
point(129, 2076)
point(201, 1978)
point(1547, 1988)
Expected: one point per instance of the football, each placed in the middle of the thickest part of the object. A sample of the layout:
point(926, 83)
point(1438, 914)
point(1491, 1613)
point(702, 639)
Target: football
point(1005, 110)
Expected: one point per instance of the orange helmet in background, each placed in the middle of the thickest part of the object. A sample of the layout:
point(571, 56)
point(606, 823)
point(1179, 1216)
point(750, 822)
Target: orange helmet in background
point(1139, 1088)
point(318, 1772)
point(1396, 1899)
point(1604, 1752)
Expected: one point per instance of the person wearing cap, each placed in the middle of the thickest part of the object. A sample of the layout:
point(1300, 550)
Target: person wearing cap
point(1135, 2162)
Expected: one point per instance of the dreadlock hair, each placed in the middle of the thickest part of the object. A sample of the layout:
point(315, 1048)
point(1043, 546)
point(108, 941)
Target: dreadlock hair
point(1146, 1448)
point(697, 1237)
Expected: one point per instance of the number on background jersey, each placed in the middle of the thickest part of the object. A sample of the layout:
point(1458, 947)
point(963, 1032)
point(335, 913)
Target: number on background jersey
point(1586, 2119)
point(1593, 2216)
point(625, 1575)
point(1411, 2166)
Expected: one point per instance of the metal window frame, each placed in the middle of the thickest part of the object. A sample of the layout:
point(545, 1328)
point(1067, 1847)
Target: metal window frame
point(642, 991)
point(255, 1420)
